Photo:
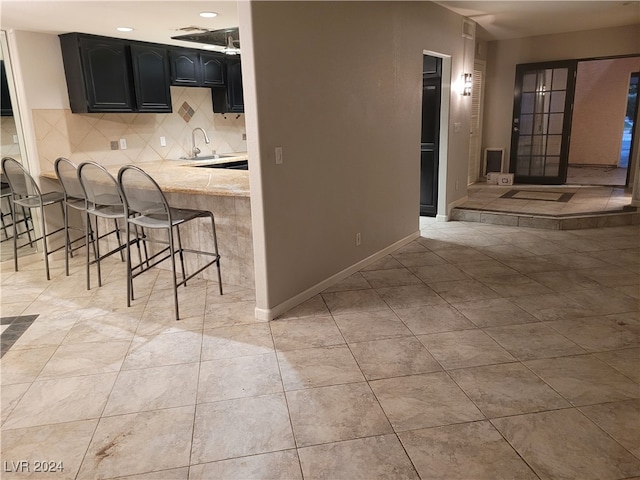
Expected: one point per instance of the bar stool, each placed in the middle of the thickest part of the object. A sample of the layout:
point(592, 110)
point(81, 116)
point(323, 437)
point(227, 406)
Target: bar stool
point(13, 223)
point(5, 194)
point(104, 199)
point(147, 207)
point(26, 193)
point(67, 173)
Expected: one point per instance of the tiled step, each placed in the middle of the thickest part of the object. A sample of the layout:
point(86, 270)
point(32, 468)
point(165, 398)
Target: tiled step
point(626, 216)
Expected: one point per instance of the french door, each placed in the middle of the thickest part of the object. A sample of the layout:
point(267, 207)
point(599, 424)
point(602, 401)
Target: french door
point(541, 128)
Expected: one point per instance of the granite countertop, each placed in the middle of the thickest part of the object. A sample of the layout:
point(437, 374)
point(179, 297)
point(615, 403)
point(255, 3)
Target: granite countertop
point(183, 176)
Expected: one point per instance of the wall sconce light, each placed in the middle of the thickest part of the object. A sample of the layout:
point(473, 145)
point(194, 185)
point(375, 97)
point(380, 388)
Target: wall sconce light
point(467, 84)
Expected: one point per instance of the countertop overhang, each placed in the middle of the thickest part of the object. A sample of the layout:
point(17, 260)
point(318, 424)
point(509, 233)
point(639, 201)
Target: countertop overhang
point(187, 176)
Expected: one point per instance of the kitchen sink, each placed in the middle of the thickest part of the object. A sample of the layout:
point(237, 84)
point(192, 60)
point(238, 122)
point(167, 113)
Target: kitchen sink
point(234, 165)
point(206, 157)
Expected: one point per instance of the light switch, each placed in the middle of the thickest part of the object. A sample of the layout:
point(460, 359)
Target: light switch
point(163, 141)
point(279, 158)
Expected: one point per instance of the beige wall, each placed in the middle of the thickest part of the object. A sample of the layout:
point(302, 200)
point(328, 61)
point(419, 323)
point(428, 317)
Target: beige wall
point(338, 86)
point(503, 56)
point(602, 88)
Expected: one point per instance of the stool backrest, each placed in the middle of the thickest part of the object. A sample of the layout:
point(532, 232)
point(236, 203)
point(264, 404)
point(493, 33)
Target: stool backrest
point(21, 183)
point(67, 173)
point(99, 186)
point(142, 194)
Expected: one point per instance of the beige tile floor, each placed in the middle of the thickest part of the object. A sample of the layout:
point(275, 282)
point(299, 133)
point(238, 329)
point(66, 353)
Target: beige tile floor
point(585, 199)
point(475, 352)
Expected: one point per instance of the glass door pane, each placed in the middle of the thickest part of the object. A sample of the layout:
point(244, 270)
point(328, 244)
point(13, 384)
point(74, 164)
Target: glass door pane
point(540, 136)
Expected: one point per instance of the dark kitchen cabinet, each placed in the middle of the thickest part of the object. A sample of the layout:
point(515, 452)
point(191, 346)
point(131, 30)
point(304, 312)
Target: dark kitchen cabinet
point(190, 68)
point(151, 78)
point(184, 67)
point(113, 75)
point(231, 98)
point(98, 72)
point(5, 100)
point(213, 69)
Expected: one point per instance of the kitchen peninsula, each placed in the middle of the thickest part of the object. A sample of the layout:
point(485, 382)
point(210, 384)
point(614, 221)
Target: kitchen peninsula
point(225, 192)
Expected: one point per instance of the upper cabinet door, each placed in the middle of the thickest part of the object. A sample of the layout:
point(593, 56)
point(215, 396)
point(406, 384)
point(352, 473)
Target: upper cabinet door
point(185, 68)
point(190, 68)
point(235, 93)
point(151, 78)
point(212, 69)
point(231, 98)
point(107, 75)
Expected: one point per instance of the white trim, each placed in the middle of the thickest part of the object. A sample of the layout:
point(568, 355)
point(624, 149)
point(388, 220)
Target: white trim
point(455, 203)
point(445, 113)
point(266, 314)
point(25, 128)
point(468, 28)
point(451, 206)
point(484, 159)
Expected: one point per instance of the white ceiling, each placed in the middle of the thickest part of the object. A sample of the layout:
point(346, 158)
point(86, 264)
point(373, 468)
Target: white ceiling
point(516, 19)
point(157, 21)
point(153, 21)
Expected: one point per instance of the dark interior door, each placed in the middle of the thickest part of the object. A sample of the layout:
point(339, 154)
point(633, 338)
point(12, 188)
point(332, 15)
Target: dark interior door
point(542, 110)
point(429, 143)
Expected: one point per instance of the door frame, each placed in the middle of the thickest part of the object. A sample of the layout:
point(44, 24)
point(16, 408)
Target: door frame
point(476, 159)
point(629, 179)
point(445, 105)
point(561, 178)
point(430, 145)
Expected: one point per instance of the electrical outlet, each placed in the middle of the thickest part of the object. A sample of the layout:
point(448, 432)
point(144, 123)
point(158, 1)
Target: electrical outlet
point(163, 141)
point(15, 139)
point(358, 239)
point(114, 145)
point(244, 136)
point(123, 144)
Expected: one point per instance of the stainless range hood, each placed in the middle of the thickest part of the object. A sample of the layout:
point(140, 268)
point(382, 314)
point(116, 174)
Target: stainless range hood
point(228, 39)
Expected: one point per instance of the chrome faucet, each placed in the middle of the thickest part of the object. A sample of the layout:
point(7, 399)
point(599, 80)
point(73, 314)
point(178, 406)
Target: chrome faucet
point(195, 150)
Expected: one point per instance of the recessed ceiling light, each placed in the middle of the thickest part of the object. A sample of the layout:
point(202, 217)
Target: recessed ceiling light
point(208, 14)
point(124, 29)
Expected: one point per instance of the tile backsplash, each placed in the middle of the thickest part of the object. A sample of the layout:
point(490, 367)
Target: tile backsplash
point(85, 137)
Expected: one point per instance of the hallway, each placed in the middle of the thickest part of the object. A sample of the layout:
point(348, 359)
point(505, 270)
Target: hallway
point(475, 352)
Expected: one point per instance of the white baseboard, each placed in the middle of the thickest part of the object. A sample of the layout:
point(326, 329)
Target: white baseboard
point(267, 314)
point(451, 206)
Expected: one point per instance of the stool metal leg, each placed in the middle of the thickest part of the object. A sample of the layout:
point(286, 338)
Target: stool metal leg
point(181, 253)
point(117, 229)
point(129, 273)
point(88, 228)
point(173, 269)
point(28, 218)
point(215, 244)
point(12, 206)
point(44, 243)
point(98, 252)
point(67, 242)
